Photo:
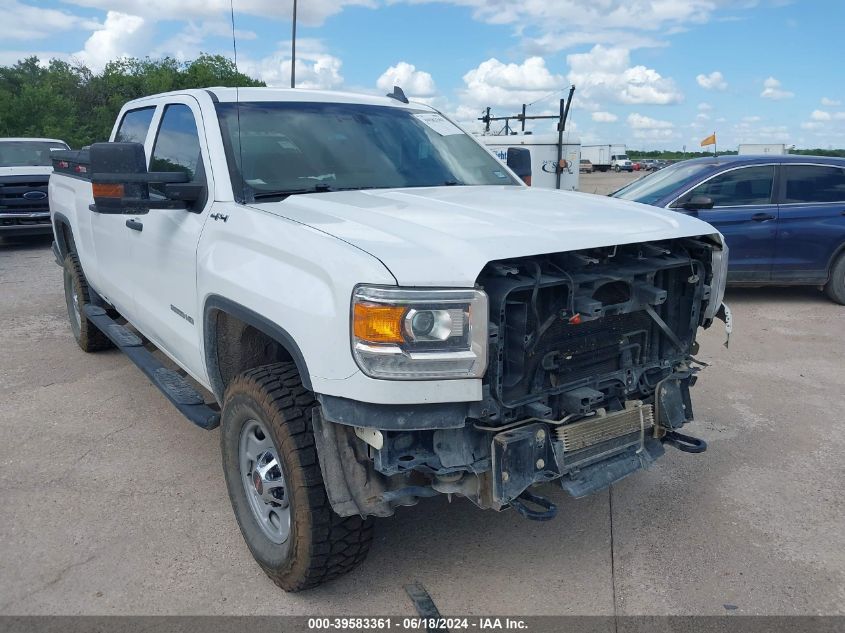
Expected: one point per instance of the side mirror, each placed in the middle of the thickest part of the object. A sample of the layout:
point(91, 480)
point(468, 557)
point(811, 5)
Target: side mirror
point(698, 202)
point(519, 160)
point(120, 181)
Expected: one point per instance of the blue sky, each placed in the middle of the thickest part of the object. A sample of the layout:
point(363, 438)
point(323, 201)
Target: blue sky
point(648, 73)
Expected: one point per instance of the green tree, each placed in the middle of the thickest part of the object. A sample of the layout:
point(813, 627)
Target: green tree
point(69, 101)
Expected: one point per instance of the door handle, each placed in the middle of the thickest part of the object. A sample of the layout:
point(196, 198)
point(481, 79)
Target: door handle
point(762, 217)
point(134, 225)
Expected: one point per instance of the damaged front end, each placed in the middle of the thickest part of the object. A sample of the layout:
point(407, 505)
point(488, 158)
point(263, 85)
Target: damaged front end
point(591, 360)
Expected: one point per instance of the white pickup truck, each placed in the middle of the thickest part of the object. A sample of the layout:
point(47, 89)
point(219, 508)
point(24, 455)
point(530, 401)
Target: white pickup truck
point(381, 310)
point(25, 168)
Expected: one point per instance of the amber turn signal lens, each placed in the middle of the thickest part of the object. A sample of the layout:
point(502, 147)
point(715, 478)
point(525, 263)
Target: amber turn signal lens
point(102, 190)
point(375, 323)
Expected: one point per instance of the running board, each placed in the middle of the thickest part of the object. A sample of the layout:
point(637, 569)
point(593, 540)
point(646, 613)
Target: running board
point(175, 388)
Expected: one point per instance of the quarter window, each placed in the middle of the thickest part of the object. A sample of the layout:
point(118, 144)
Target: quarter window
point(738, 187)
point(814, 183)
point(177, 146)
point(135, 125)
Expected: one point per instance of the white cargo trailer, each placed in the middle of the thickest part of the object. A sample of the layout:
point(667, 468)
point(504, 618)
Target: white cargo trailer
point(601, 156)
point(544, 152)
point(762, 148)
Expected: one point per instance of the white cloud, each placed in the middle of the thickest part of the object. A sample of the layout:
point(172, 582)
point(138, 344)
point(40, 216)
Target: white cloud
point(548, 26)
point(639, 122)
point(750, 119)
point(311, 13)
point(820, 115)
point(772, 90)
point(30, 23)
point(604, 117)
point(713, 81)
point(121, 35)
point(315, 68)
point(704, 107)
point(493, 83)
point(416, 83)
point(830, 103)
point(606, 74)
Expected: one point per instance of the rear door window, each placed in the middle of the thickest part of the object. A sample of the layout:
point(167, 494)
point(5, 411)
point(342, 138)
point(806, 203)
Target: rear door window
point(814, 184)
point(177, 145)
point(742, 187)
point(135, 125)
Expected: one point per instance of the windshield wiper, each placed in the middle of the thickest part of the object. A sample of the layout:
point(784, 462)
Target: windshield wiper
point(319, 188)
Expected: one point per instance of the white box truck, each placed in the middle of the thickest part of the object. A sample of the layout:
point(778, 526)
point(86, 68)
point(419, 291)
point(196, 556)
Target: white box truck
point(762, 148)
point(604, 157)
point(544, 152)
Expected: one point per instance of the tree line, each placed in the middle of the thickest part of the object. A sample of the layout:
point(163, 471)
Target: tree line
point(73, 103)
point(675, 155)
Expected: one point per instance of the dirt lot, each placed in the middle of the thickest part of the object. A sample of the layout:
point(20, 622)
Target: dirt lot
point(605, 183)
point(113, 504)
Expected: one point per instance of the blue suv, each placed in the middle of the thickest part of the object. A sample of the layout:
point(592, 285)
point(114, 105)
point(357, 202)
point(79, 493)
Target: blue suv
point(783, 217)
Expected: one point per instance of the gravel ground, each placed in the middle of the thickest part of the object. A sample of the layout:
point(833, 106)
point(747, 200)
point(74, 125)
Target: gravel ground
point(113, 504)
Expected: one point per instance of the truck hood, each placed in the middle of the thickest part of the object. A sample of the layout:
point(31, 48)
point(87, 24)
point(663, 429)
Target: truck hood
point(26, 170)
point(444, 236)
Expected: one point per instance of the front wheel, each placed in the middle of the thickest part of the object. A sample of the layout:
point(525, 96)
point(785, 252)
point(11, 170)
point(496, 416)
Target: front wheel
point(275, 484)
point(835, 287)
point(616, 169)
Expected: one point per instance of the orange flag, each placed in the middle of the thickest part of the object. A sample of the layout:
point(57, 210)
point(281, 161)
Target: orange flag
point(710, 140)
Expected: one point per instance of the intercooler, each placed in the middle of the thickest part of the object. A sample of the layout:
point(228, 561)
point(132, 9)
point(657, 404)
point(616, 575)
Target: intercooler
point(605, 426)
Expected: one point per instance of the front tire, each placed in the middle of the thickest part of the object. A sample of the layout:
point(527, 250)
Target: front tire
point(87, 336)
point(275, 484)
point(835, 287)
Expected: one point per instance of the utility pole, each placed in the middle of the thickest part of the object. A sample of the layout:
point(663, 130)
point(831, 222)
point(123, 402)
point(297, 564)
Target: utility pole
point(293, 50)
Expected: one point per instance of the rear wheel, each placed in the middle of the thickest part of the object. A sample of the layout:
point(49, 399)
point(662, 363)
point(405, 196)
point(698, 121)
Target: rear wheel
point(275, 483)
point(89, 338)
point(835, 287)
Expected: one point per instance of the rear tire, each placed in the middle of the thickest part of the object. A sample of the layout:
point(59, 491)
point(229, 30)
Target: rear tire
point(275, 484)
point(87, 336)
point(835, 287)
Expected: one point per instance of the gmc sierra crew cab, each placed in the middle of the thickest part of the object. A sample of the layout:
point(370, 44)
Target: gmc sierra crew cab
point(25, 167)
point(382, 310)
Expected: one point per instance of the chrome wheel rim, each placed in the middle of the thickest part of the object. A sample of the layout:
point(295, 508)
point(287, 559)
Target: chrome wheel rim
point(264, 481)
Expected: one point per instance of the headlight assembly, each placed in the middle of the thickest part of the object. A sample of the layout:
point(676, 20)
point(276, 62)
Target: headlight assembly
point(419, 334)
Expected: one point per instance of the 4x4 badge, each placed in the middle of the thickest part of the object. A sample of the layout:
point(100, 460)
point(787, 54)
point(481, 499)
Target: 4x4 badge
point(219, 216)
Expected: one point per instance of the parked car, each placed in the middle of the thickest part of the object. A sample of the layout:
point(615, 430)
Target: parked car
point(25, 168)
point(586, 167)
point(381, 309)
point(647, 164)
point(783, 216)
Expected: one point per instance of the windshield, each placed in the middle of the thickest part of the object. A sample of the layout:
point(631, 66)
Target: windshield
point(289, 148)
point(26, 153)
point(661, 183)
